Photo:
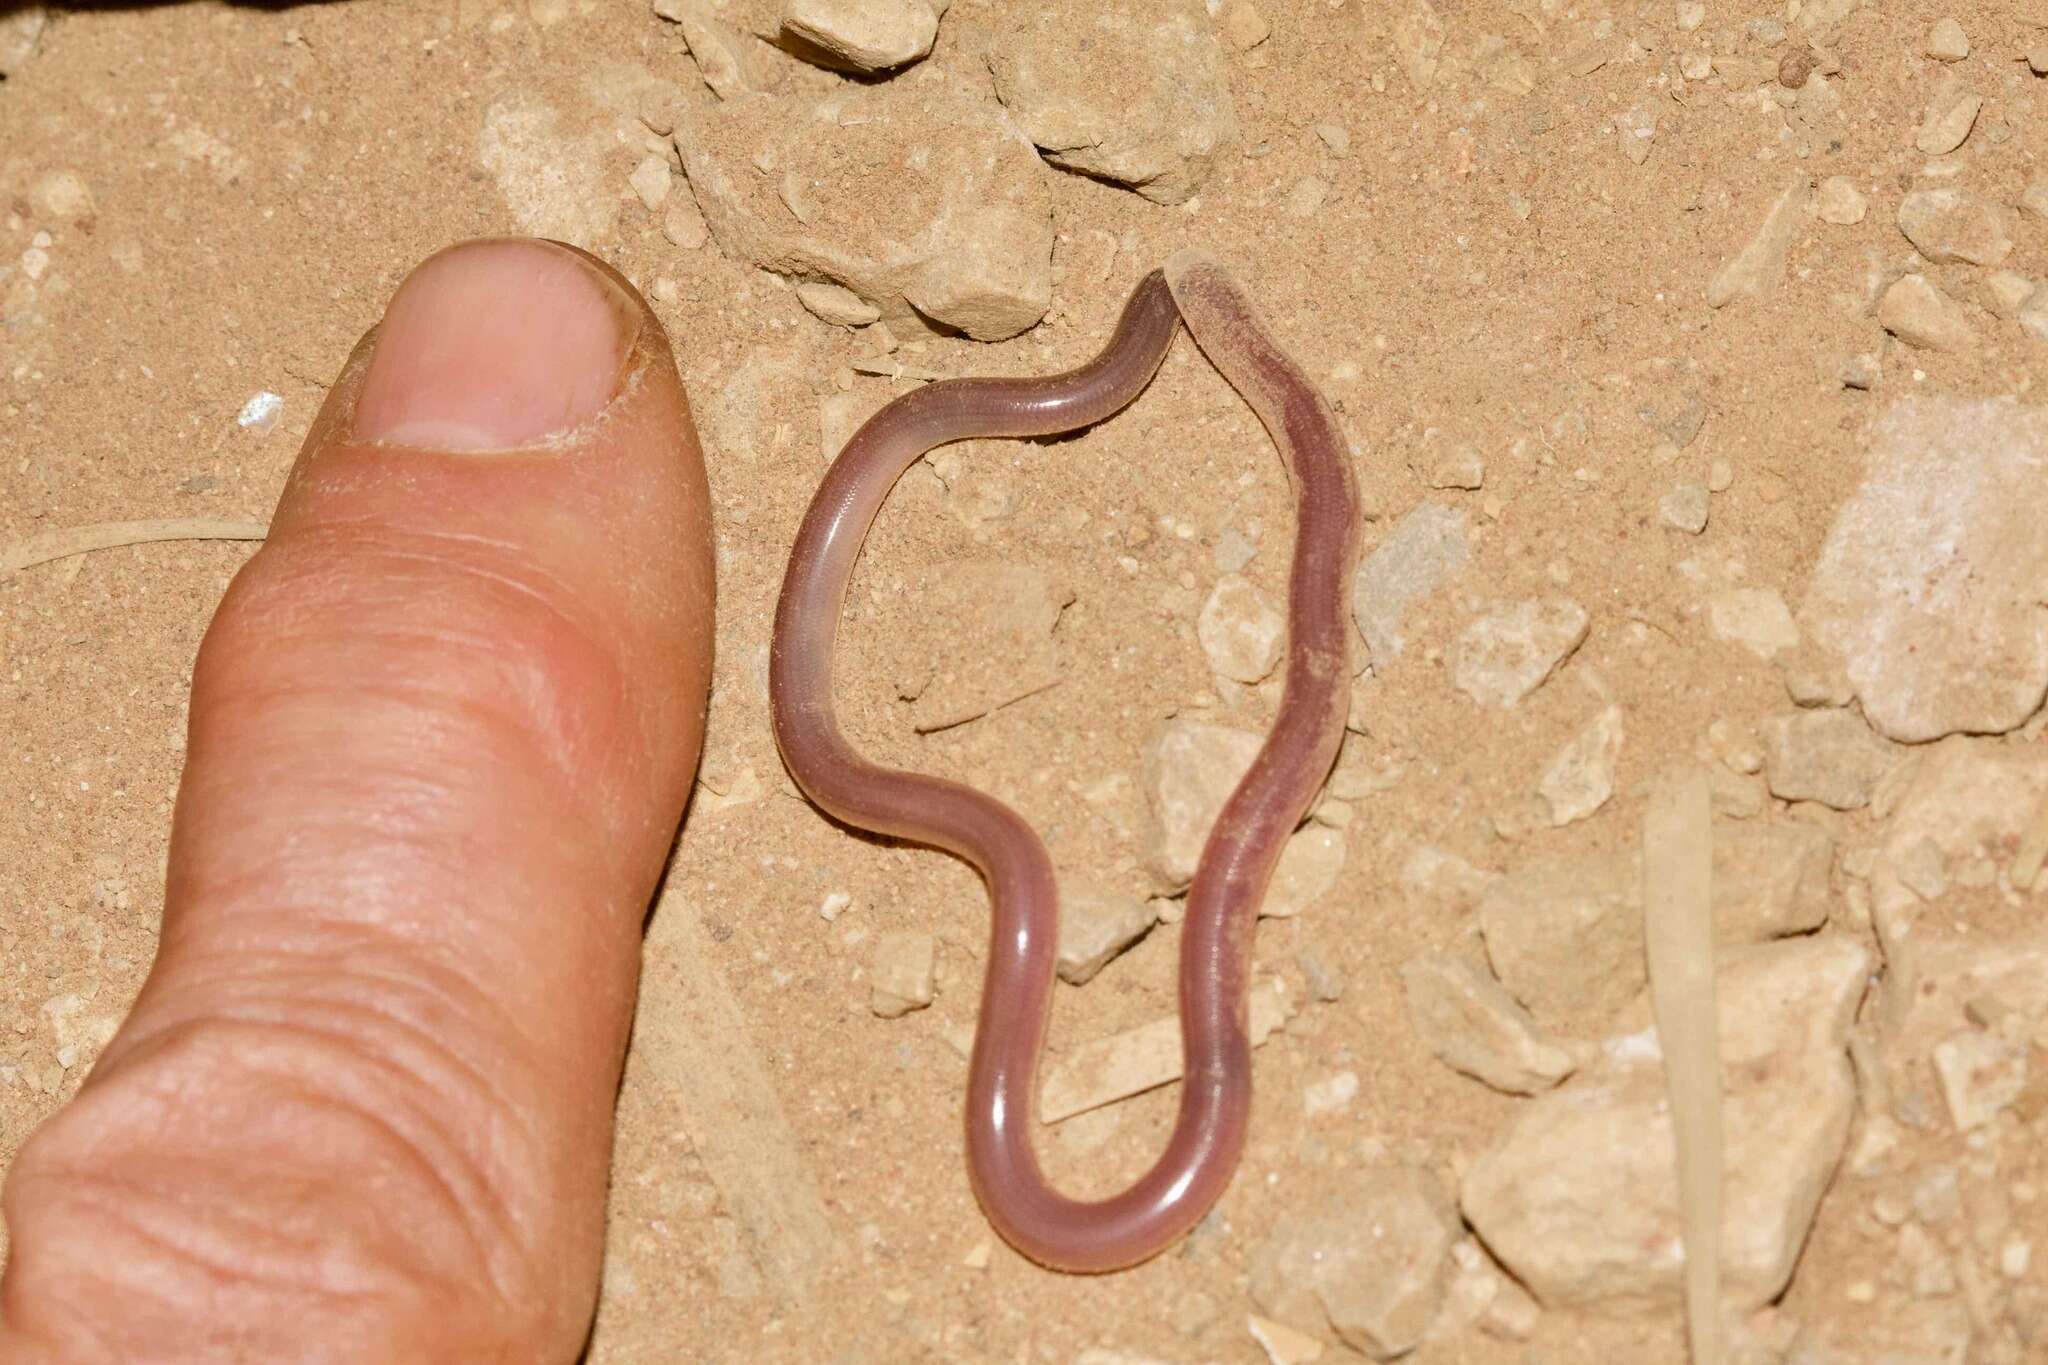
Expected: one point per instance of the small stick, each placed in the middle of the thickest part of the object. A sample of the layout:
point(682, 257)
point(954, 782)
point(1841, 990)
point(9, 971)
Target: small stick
point(109, 535)
point(1678, 926)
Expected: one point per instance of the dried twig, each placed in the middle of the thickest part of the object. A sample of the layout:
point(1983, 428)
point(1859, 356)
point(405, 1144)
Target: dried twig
point(108, 535)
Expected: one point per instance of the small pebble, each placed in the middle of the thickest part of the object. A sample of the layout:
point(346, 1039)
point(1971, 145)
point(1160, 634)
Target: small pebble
point(1949, 120)
point(1685, 508)
point(1840, 202)
point(1720, 475)
point(901, 972)
point(1691, 14)
point(1860, 371)
point(2037, 59)
point(1917, 312)
point(1335, 138)
point(260, 413)
point(1946, 41)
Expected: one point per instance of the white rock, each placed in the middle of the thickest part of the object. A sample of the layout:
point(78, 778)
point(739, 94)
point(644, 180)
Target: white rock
point(1759, 266)
point(1136, 94)
point(1308, 868)
point(1826, 755)
point(1474, 1026)
point(1954, 225)
point(1755, 618)
point(963, 237)
point(1946, 41)
point(1190, 771)
point(1142, 1058)
point(1095, 926)
point(1511, 650)
point(1422, 552)
point(901, 972)
point(868, 35)
point(1578, 1197)
point(1929, 582)
point(1581, 777)
point(1241, 630)
point(1917, 312)
point(1840, 202)
point(1368, 1266)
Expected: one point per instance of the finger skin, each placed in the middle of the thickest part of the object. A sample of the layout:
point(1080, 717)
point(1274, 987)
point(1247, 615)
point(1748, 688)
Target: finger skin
point(442, 729)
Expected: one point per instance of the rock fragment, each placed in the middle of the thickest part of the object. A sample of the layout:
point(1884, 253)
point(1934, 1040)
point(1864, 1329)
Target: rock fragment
point(1095, 926)
point(901, 972)
point(963, 238)
point(1474, 1026)
point(727, 59)
point(1578, 1197)
point(1422, 552)
point(1946, 41)
point(1240, 629)
point(1581, 777)
point(836, 304)
point(1929, 582)
point(1955, 225)
point(1462, 468)
point(1840, 202)
point(1513, 648)
point(1824, 754)
point(1137, 93)
point(1685, 508)
point(1367, 1267)
point(1759, 266)
point(1755, 618)
point(1950, 116)
point(867, 35)
point(1916, 311)
point(1190, 771)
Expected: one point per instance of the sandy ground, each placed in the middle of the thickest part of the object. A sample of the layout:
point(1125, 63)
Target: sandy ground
point(1486, 268)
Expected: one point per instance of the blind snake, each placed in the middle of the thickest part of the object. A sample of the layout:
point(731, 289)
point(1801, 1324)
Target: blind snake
point(1237, 861)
